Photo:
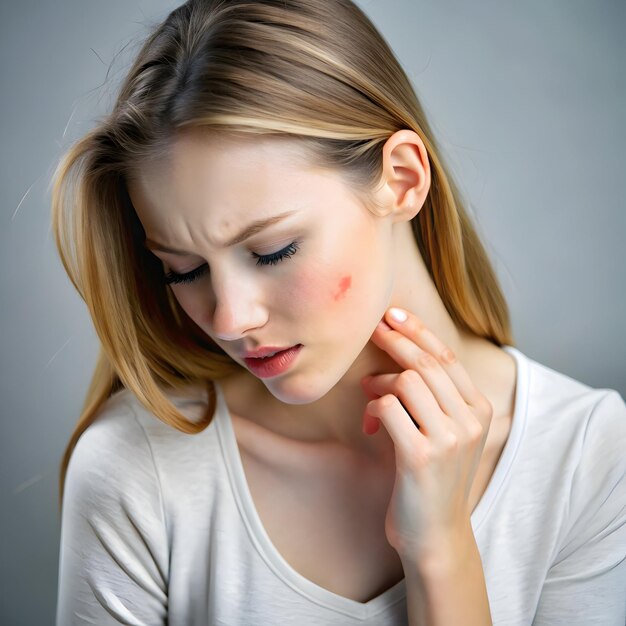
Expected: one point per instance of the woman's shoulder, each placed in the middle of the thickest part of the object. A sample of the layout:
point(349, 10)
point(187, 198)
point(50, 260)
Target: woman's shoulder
point(568, 423)
point(111, 465)
point(588, 423)
point(124, 414)
point(552, 391)
point(114, 431)
point(129, 442)
point(570, 439)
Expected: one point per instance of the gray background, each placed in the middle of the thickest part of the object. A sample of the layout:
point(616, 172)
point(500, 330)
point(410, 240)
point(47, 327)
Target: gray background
point(528, 101)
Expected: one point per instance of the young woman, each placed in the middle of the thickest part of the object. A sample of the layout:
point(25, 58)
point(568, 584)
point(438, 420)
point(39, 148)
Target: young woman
point(267, 182)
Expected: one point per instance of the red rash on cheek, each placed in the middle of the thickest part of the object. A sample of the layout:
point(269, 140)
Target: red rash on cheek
point(344, 284)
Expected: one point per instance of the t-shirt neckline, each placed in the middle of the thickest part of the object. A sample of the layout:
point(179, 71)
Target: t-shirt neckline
point(302, 585)
point(511, 447)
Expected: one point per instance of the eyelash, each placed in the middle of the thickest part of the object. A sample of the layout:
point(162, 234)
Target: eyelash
point(262, 259)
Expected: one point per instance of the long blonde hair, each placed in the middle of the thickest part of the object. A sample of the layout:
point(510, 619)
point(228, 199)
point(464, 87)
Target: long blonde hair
point(315, 70)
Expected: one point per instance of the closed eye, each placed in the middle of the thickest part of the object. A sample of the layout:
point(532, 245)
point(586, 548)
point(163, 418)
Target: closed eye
point(262, 259)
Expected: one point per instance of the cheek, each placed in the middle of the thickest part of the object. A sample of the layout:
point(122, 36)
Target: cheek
point(325, 291)
point(305, 291)
point(193, 306)
point(190, 303)
point(320, 290)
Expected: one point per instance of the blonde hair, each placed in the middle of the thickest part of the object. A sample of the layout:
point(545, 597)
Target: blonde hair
point(314, 70)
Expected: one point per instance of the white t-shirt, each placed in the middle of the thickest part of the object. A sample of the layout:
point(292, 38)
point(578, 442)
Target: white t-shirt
point(159, 527)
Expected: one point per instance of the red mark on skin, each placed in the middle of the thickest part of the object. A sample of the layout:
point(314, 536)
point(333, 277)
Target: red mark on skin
point(344, 284)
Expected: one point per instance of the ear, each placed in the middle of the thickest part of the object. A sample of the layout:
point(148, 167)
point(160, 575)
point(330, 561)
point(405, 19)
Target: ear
point(405, 179)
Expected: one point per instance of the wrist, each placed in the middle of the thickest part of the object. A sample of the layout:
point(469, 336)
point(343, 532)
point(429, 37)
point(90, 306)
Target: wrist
point(445, 554)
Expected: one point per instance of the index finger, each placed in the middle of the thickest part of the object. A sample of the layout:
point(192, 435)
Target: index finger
point(414, 329)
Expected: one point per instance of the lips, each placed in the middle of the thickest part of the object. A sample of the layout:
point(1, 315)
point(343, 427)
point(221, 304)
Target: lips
point(274, 365)
point(265, 352)
point(269, 356)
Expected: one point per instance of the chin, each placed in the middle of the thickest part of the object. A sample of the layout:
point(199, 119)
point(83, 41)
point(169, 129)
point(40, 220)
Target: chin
point(301, 388)
point(296, 390)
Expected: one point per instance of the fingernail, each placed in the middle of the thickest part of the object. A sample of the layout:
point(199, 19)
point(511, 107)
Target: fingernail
point(397, 314)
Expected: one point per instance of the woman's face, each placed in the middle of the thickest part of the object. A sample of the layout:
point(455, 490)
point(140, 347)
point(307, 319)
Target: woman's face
point(328, 292)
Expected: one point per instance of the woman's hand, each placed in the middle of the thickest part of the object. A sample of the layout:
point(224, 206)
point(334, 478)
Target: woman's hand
point(438, 421)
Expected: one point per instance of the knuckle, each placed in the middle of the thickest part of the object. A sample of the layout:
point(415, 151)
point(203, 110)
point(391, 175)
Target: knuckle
point(373, 406)
point(384, 402)
point(406, 380)
point(447, 356)
point(475, 432)
point(381, 404)
point(450, 442)
point(426, 360)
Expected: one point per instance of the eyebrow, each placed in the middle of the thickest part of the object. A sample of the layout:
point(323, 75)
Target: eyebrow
point(246, 233)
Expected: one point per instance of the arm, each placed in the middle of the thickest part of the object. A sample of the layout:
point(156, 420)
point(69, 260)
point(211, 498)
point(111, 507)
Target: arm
point(586, 582)
point(451, 589)
point(113, 554)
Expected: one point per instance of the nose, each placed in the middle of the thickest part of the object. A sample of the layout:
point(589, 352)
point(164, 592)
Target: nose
point(237, 309)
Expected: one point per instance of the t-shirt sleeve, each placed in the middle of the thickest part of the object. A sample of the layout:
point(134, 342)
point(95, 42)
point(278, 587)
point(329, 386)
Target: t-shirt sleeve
point(586, 582)
point(113, 564)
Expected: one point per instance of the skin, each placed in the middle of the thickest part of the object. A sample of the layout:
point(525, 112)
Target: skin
point(350, 266)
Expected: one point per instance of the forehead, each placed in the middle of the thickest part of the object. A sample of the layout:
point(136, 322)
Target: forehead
point(218, 156)
point(228, 176)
